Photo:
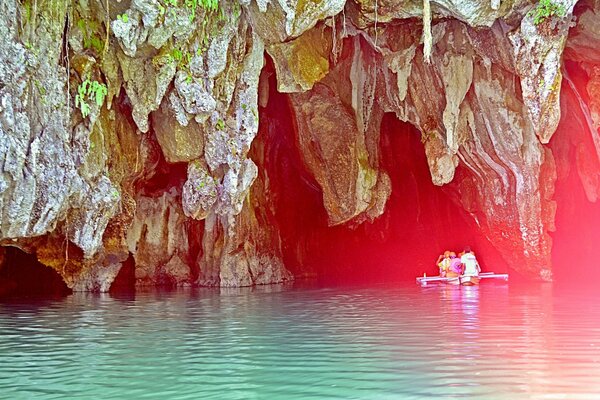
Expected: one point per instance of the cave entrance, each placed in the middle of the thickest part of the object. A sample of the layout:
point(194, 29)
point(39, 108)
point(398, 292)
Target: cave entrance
point(420, 221)
point(22, 275)
point(574, 242)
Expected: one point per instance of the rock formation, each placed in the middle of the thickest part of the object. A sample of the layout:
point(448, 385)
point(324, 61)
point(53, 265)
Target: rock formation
point(130, 128)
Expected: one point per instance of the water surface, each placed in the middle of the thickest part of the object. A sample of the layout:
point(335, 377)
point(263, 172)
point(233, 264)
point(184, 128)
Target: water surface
point(378, 342)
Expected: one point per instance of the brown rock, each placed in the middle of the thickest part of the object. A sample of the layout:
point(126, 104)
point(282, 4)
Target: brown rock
point(157, 234)
point(178, 143)
point(177, 272)
point(301, 62)
point(335, 153)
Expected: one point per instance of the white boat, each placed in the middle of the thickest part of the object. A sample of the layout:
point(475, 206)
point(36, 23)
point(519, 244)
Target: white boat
point(460, 280)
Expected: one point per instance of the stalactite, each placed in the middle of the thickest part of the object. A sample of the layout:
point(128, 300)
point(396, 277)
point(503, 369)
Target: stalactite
point(335, 49)
point(376, 20)
point(427, 31)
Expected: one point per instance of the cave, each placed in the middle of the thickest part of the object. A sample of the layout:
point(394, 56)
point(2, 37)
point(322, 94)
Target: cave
point(21, 275)
point(420, 220)
point(350, 148)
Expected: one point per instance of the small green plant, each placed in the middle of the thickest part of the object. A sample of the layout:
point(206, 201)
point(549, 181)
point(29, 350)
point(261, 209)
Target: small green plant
point(169, 5)
point(90, 39)
point(547, 9)
point(90, 91)
point(41, 89)
point(32, 49)
point(26, 10)
point(208, 5)
point(183, 58)
point(123, 17)
point(220, 125)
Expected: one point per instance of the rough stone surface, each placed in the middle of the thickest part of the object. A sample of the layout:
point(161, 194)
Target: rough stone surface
point(250, 252)
point(155, 237)
point(473, 12)
point(301, 62)
point(279, 20)
point(200, 191)
point(179, 143)
point(480, 80)
point(43, 149)
point(538, 49)
point(340, 160)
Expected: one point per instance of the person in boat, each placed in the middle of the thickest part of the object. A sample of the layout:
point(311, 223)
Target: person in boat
point(443, 262)
point(456, 266)
point(470, 264)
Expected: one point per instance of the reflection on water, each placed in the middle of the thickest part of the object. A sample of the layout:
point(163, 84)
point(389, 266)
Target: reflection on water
point(491, 341)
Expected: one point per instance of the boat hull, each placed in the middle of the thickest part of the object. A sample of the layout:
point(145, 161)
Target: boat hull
point(461, 280)
point(469, 280)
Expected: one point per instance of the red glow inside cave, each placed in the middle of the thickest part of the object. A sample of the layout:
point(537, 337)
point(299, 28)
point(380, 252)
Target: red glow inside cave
point(419, 222)
point(421, 219)
point(575, 241)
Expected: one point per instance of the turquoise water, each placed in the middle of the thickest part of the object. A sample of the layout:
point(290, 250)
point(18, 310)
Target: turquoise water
point(379, 342)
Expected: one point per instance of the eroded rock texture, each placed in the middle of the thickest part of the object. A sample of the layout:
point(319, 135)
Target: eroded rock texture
point(167, 168)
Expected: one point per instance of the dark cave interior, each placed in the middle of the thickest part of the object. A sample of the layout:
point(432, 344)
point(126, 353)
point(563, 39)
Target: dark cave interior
point(419, 222)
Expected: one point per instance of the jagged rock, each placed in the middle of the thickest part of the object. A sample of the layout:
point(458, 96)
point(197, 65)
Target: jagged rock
point(89, 220)
point(145, 85)
point(179, 143)
point(301, 62)
point(176, 272)
point(248, 251)
point(339, 161)
point(96, 279)
point(538, 48)
point(156, 235)
point(200, 191)
point(442, 162)
point(99, 235)
point(40, 155)
point(150, 22)
point(506, 160)
point(340, 148)
point(581, 44)
point(473, 12)
point(228, 140)
point(278, 20)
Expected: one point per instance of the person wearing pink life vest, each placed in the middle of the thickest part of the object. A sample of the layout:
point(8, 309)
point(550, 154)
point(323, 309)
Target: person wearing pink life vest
point(470, 264)
point(455, 264)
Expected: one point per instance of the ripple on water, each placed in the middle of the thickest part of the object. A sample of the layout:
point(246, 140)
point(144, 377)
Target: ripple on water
point(493, 341)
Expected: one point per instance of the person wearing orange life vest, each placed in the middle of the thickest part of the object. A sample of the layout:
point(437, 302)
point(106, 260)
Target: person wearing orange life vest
point(471, 266)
